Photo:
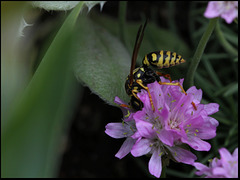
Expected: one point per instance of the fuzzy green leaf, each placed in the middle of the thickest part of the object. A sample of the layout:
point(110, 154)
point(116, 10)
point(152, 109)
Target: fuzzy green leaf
point(55, 5)
point(64, 5)
point(102, 62)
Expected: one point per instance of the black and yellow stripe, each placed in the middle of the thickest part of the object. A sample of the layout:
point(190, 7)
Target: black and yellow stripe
point(162, 59)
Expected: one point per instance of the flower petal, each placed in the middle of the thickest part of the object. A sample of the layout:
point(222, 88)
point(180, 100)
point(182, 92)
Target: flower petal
point(118, 130)
point(127, 112)
point(197, 94)
point(211, 108)
point(145, 129)
point(183, 103)
point(182, 155)
point(206, 131)
point(235, 154)
point(230, 15)
point(228, 10)
point(125, 148)
point(136, 135)
point(197, 144)
point(228, 163)
point(167, 137)
point(144, 97)
point(140, 115)
point(117, 100)
point(225, 155)
point(141, 147)
point(163, 114)
point(157, 94)
point(212, 10)
point(219, 171)
point(202, 168)
point(155, 163)
point(212, 121)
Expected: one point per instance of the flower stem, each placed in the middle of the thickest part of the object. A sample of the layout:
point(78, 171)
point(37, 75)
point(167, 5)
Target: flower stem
point(198, 54)
point(163, 173)
point(226, 45)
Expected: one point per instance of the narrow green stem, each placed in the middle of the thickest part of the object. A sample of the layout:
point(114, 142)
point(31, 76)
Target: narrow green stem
point(122, 20)
point(163, 173)
point(226, 45)
point(199, 52)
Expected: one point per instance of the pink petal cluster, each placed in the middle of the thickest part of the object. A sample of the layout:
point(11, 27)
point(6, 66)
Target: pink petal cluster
point(227, 10)
point(225, 167)
point(166, 131)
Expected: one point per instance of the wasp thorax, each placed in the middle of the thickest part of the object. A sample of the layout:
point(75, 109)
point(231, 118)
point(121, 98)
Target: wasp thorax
point(142, 76)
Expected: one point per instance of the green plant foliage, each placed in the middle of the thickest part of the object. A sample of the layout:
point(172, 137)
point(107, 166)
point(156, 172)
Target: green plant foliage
point(32, 138)
point(102, 62)
point(13, 76)
point(95, 50)
point(155, 37)
point(55, 5)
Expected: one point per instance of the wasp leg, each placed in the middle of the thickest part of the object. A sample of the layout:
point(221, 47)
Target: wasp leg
point(134, 93)
point(134, 104)
point(147, 89)
point(164, 75)
point(173, 84)
point(178, 84)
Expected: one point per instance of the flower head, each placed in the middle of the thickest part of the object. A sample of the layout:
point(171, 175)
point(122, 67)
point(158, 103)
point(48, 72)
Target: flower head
point(225, 167)
point(227, 10)
point(175, 118)
point(165, 132)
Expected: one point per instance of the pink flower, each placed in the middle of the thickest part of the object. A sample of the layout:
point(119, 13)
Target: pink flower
point(227, 10)
point(157, 149)
point(164, 133)
point(123, 130)
point(174, 122)
point(225, 167)
point(175, 118)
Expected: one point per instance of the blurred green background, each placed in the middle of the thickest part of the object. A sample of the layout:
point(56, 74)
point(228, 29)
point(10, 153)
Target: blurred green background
point(59, 80)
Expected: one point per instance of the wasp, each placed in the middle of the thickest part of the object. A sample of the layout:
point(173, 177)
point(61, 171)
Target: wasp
point(141, 76)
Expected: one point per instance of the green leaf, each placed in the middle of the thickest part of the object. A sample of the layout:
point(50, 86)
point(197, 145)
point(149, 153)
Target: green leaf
point(64, 5)
point(211, 72)
point(55, 5)
point(14, 74)
point(231, 90)
point(32, 138)
point(102, 62)
point(227, 90)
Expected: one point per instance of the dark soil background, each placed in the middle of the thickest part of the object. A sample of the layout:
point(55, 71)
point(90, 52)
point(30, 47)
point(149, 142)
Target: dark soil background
point(89, 151)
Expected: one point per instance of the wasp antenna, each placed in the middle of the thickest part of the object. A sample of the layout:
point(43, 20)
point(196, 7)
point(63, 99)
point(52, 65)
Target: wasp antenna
point(141, 38)
point(136, 49)
point(134, 56)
